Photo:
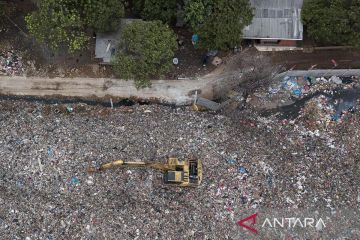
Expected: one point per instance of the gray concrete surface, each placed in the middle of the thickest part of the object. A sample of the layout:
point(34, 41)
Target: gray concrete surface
point(321, 73)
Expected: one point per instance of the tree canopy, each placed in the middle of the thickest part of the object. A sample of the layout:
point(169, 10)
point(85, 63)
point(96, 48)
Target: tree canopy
point(64, 22)
point(6, 10)
point(196, 11)
point(219, 23)
point(146, 51)
point(333, 22)
point(163, 10)
point(102, 15)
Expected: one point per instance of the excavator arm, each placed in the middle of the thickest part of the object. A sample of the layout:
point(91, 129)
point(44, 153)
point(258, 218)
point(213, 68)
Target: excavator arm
point(120, 163)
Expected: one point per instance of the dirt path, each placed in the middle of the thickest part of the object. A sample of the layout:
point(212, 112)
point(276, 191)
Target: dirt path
point(178, 92)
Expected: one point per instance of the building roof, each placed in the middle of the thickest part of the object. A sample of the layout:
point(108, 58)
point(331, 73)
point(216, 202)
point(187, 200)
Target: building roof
point(107, 43)
point(275, 19)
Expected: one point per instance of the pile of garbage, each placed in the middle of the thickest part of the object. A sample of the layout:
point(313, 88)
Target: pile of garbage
point(323, 109)
point(11, 63)
point(251, 165)
point(301, 86)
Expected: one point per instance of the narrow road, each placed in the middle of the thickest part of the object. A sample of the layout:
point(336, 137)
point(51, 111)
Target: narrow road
point(179, 92)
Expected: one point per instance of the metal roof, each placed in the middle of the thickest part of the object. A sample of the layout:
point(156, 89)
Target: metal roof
point(275, 19)
point(107, 43)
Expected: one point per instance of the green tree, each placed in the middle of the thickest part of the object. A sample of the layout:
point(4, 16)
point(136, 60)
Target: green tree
point(163, 10)
point(64, 22)
point(102, 15)
point(146, 52)
point(196, 11)
point(219, 23)
point(7, 10)
point(333, 22)
point(55, 23)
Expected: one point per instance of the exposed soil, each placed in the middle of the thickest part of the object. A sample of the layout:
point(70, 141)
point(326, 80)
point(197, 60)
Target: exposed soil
point(322, 59)
point(190, 58)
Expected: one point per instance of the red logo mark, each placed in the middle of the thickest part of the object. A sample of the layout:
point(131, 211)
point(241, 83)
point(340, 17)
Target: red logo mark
point(242, 222)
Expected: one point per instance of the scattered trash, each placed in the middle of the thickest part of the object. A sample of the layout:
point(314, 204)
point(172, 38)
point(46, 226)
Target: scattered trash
point(216, 61)
point(347, 80)
point(212, 53)
point(20, 183)
point(251, 163)
point(195, 39)
point(69, 109)
point(335, 79)
point(11, 63)
point(297, 92)
point(175, 61)
point(231, 161)
point(111, 103)
point(242, 170)
point(74, 181)
point(334, 62)
point(90, 180)
point(274, 90)
point(50, 152)
point(269, 179)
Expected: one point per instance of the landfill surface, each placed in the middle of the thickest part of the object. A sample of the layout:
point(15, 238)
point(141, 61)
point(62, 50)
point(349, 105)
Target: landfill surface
point(252, 164)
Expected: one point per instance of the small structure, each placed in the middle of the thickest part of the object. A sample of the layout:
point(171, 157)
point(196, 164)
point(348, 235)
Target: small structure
point(107, 42)
point(276, 24)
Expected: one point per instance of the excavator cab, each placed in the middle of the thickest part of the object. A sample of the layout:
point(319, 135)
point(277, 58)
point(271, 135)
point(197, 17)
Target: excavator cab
point(173, 177)
point(184, 173)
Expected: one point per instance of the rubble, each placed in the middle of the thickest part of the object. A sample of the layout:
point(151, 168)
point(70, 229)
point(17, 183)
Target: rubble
point(250, 162)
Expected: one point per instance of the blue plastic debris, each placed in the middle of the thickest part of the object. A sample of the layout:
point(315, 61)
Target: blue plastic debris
point(336, 117)
point(231, 161)
point(195, 38)
point(297, 92)
point(74, 181)
point(242, 170)
point(290, 83)
point(50, 152)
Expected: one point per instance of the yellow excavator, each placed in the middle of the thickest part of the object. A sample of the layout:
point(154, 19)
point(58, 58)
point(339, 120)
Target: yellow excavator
point(176, 172)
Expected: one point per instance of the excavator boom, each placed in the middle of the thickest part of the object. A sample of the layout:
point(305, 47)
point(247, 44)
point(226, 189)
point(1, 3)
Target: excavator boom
point(152, 165)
